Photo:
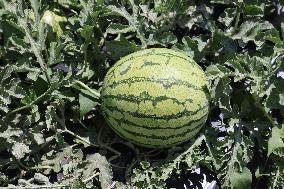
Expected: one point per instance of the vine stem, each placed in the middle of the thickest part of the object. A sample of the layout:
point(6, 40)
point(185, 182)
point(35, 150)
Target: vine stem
point(30, 168)
point(80, 138)
point(97, 94)
point(38, 55)
point(91, 177)
point(105, 146)
point(32, 103)
point(42, 186)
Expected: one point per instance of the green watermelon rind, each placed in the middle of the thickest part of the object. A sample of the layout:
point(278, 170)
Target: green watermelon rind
point(143, 73)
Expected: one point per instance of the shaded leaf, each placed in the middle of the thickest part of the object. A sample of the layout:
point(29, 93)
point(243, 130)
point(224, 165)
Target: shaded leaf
point(276, 140)
point(121, 48)
point(97, 161)
point(119, 28)
point(87, 102)
point(8, 88)
point(241, 179)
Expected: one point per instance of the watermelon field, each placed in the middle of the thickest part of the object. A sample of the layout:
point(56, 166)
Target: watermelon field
point(142, 94)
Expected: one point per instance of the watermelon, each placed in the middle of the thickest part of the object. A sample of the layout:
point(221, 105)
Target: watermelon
point(155, 98)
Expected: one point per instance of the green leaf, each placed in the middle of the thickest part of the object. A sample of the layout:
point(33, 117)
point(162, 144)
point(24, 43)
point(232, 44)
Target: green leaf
point(253, 10)
point(46, 47)
point(167, 38)
point(9, 87)
point(115, 28)
point(133, 19)
point(228, 16)
point(154, 175)
point(90, 137)
point(120, 11)
point(277, 176)
point(87, 102)
point(18, 45)
point(190, 47)
point(276, 140)
point(61, 159)
point(25, 66)
point(269, 35)
point(55, 54)
point(30, 97)
point(121, 48)
point(97, 161)
point(220, 89)
point(9, 133)
point(217, 71)
point(240, 180)
point(250, 31)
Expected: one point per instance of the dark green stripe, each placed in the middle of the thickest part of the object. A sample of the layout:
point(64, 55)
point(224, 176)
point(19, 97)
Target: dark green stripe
point(149, 63)
point(164, 117)
point(181, 141)
point(166, 82)
point(160, 128)
point(152, 53)
point(161, 137)
point(144, 96)
point(146, 144)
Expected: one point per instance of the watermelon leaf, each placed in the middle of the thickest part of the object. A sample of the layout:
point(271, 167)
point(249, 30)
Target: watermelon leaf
point(121, 48)
point(87, 102)
point(115, 28)
point(275, 142)
point(9, 88)
point(241, 179)
point(49, 48)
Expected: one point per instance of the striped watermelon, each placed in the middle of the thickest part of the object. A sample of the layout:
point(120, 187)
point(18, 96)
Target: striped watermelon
point(155, 98)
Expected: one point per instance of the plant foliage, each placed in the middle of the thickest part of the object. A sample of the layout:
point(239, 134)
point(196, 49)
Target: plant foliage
point(53, 58)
